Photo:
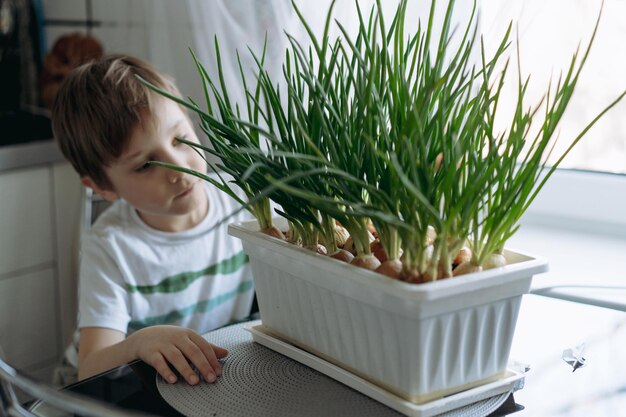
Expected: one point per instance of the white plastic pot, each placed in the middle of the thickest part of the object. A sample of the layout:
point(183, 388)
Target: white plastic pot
point(418, 341)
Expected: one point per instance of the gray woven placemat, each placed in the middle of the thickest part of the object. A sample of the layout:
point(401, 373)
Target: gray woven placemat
point(257, 381)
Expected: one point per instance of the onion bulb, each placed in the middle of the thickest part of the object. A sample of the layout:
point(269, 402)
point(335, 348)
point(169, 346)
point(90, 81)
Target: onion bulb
point(378, 250)
point(318, 248)
point(412, 276)
point(341, 235)
point(466, 268)
point(464, 255)
point(391, 268)
point(495, 260)
point(342, 255)
point(368, 261)
point(349, 245)
point(274, 232)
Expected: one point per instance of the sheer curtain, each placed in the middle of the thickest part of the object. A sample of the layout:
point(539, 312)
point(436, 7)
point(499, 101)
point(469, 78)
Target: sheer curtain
point(162, 31)
point(239, 25)
point(549, 33)
point(244, 24)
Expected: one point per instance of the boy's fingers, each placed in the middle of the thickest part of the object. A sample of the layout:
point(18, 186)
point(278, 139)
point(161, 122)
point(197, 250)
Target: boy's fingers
point(219, 351)
point(178, 361)
point(196, 355)
point(160, 365)
point(211, 353)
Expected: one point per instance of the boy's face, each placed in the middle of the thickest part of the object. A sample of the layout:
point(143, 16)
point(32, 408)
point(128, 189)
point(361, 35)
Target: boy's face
point(165, 199)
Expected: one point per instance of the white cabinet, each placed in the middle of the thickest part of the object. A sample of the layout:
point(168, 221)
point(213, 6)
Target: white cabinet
point(28, 332)
point(25, 219)
point(67, 197)
point(38, 222)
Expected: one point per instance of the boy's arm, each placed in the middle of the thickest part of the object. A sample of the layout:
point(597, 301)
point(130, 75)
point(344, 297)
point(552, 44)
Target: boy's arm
point(101, 349)
point(96, 351)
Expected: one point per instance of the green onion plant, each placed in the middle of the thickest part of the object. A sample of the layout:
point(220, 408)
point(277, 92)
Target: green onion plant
point(390, 131)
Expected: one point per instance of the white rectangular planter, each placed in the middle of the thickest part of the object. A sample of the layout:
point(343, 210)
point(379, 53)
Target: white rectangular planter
point(420, 342)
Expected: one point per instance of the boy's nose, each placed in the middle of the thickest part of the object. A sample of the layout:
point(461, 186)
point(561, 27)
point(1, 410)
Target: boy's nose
point(174, 176)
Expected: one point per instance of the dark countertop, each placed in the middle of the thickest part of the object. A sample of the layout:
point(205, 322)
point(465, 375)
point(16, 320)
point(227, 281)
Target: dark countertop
point(26, 155)
point(26, 139)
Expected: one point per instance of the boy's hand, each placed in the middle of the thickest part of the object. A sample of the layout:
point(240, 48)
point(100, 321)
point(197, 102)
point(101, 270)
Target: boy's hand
point(160, 345)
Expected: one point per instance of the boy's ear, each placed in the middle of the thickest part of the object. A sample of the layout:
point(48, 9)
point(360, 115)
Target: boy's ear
point(105, 193)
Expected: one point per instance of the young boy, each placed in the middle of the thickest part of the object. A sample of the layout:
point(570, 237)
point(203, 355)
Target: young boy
point(152, 274)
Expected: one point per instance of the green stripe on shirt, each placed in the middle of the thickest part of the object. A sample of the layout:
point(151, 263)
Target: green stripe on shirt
point(201, 307)
point(181, 281)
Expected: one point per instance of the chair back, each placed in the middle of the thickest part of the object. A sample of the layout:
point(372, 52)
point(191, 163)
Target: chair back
point(93, 206)
point(7, 395)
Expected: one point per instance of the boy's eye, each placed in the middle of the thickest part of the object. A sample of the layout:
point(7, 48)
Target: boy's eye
point(143, 167)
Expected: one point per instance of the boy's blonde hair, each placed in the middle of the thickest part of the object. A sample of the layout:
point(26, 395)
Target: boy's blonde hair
point(97, 108)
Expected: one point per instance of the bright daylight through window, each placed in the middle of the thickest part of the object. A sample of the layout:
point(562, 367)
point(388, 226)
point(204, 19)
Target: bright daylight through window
point(549, 33)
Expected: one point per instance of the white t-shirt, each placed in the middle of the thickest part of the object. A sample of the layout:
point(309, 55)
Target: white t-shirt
point(133, 276)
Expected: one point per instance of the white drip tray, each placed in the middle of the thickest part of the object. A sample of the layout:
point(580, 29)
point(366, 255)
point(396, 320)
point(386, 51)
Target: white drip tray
point(478, 401)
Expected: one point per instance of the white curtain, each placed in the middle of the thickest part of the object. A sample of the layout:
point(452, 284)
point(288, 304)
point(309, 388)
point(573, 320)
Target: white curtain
point(549, 32)
point(243, 26)
point(161, 31)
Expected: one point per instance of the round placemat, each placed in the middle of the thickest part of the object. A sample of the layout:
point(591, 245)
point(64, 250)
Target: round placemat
point(256, 381)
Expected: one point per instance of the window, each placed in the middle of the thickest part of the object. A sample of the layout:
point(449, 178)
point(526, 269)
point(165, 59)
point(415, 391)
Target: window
point(578, 220)
point(549, 33)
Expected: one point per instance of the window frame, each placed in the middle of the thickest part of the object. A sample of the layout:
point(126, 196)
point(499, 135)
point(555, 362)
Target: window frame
point(585, 201)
